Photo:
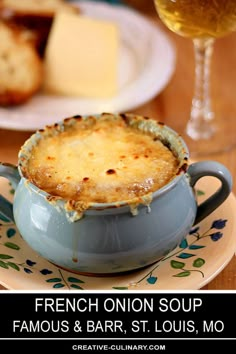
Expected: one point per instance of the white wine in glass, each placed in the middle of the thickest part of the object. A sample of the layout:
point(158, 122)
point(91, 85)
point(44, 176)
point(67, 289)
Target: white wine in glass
point(203, 21)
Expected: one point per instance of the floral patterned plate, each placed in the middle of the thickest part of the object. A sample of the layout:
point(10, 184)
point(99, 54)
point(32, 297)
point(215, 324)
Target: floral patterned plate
point(205, 252)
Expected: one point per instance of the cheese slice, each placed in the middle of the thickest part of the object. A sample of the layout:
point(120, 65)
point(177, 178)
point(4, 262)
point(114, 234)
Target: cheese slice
point(81, 57)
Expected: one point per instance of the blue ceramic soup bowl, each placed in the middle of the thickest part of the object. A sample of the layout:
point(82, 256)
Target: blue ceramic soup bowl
point(116, 237)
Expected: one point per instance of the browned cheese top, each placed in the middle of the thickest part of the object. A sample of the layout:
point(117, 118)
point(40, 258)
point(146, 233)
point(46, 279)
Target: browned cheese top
point(100, 161)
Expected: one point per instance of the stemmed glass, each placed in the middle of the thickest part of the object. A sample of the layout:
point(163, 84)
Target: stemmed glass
point(203, 21)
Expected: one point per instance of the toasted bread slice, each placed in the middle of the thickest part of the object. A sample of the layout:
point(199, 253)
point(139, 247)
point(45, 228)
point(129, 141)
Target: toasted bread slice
point(41, 8)
point(21, 69)
point(36, 15)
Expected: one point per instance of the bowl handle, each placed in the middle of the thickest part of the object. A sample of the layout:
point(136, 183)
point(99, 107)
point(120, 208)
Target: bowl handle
point(210, 168)
point(10, 172)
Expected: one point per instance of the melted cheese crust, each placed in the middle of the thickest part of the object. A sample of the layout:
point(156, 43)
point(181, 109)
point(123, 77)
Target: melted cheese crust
point(101, 161)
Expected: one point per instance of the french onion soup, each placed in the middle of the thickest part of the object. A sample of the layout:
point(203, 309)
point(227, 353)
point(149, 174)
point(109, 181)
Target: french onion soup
point(108, 159)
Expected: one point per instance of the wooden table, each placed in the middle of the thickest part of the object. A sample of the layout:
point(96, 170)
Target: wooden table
point(176, 98)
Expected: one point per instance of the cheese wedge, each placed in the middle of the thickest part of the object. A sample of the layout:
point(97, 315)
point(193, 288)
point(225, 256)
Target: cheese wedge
point(81, 57)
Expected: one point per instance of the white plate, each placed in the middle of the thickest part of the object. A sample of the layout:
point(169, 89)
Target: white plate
point(146, 64)
point(206, 251)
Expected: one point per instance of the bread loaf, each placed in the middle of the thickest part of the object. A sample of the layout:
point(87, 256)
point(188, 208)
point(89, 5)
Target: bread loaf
point(38, 8)
point(36, 15)
point(21, 69)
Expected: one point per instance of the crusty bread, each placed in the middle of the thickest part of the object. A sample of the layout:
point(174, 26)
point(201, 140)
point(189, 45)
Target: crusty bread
point(36, 15)
point(21, 69)
point(35, 7)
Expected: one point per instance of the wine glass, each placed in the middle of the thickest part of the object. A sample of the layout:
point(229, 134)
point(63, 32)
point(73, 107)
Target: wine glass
point(203, 21)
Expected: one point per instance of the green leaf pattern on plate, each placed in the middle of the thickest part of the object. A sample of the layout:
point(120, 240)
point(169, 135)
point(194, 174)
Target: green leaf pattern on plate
point(187, 245)
point(8, 230)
